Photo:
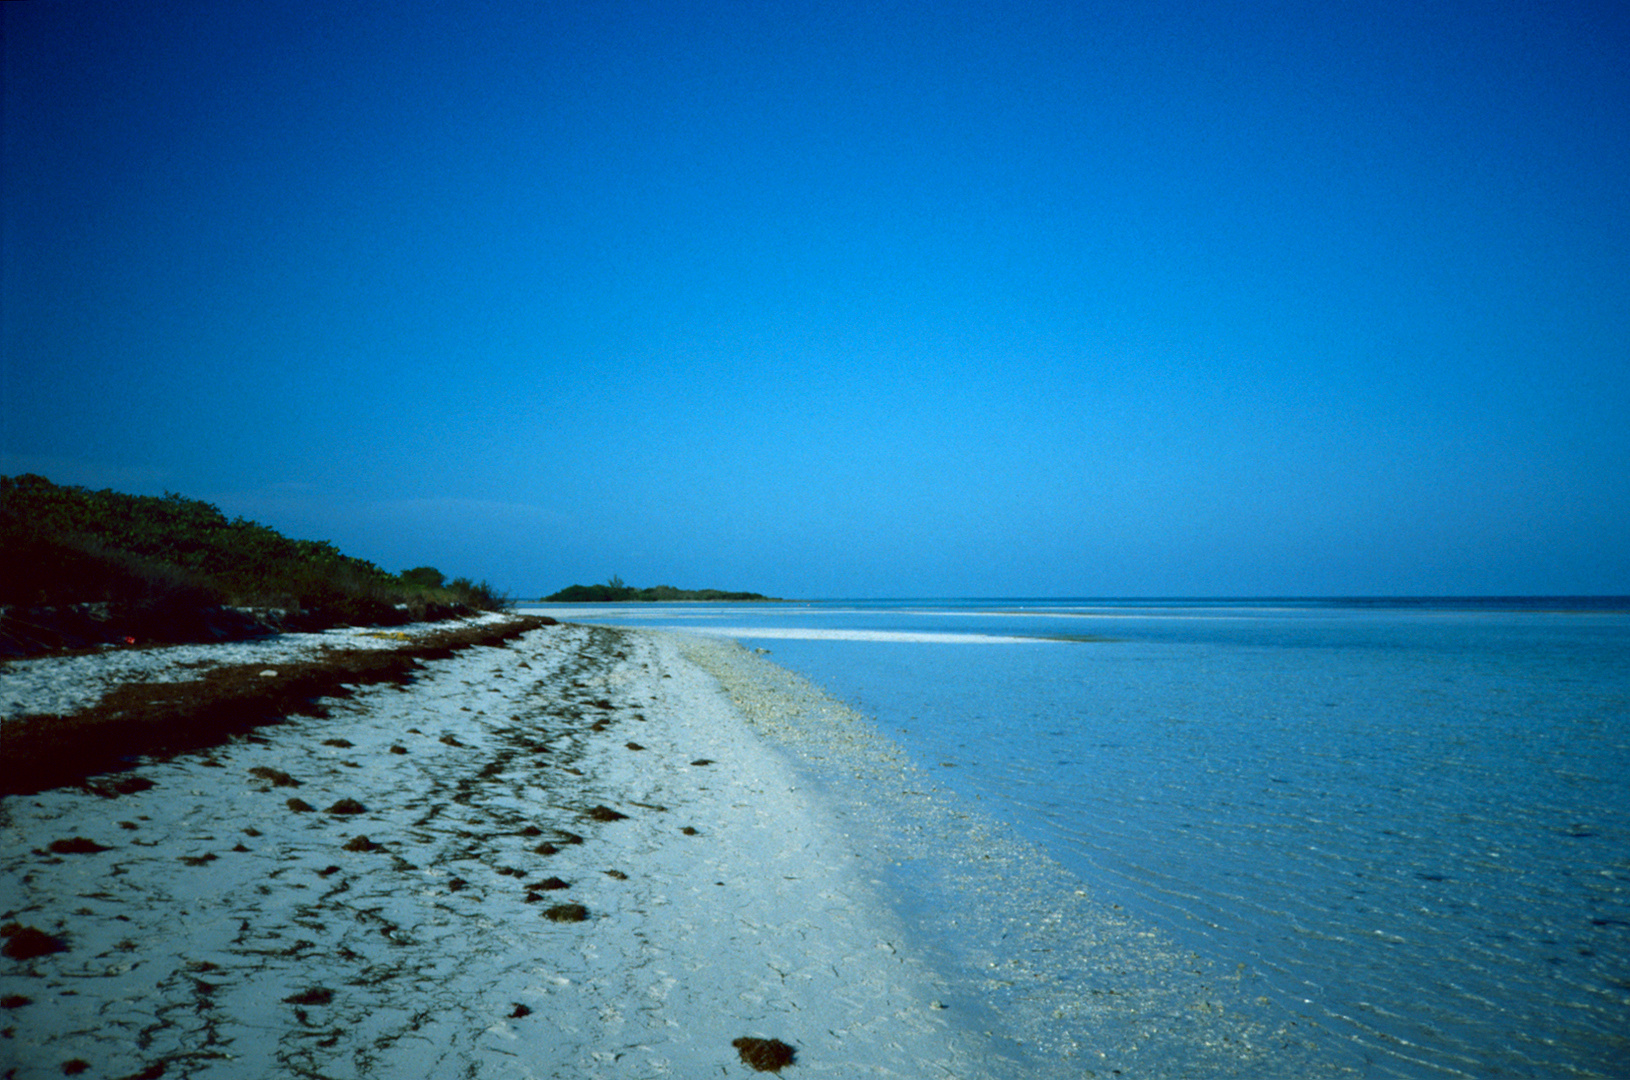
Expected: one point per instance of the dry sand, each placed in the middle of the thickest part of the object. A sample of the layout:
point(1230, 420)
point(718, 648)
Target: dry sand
point(370, 893)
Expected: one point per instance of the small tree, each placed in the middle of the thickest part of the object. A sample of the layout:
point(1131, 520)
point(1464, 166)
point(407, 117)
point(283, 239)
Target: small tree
point(423, 577)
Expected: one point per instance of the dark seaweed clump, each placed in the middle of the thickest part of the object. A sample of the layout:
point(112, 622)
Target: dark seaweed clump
point(29, 942)
point(275, 777)
point(567, 913)
point(317, 995)
point(765, 1055)
point(77, 845)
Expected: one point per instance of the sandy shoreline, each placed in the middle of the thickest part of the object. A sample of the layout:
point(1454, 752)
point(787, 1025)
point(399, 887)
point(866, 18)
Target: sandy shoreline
point(365, 893)
point(364, 890)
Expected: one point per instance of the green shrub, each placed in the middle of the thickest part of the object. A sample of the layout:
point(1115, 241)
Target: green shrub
point(422, 577)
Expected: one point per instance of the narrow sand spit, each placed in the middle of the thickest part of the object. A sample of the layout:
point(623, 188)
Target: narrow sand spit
point(564, 857)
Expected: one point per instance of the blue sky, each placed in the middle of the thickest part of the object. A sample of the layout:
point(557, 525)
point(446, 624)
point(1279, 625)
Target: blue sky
point(832, 300)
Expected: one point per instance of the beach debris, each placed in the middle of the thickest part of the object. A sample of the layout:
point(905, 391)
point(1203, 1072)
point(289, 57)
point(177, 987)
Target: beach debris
point(29, 942)
point(15, 1001)
point(347, 806)
point(604, 813)
point(550, 883)
point(398, 749)
point(275, 777)
point(300, 806)
point(689, 831)
point(702, 761)
point(450, 740)
point(77, 845)
point(317, 995)
point(567, 913)
point(765, 1055)
point(123, 785)
point(362, 843)
point(634, 746)
point(75, 1066)
point(455, 884)
point(520, 1012)
point(343, 744)
point(545, 848)
point(615, 875)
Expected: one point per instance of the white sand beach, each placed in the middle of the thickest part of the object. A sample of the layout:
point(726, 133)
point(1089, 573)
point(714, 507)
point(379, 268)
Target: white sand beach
point(584, 851)
point(369, 893)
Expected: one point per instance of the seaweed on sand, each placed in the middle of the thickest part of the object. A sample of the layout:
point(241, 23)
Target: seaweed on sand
point(275, 777)
point(567, 913)
point(29, 942)
point(317, 995)
point(77, 845)
point(135, 719)
point(765, 1055)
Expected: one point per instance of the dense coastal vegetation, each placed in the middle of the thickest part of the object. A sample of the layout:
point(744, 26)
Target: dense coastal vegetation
point(614, 591)
point(84, 566)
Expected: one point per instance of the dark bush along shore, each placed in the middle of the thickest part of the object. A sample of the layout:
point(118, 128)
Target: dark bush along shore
point(89, 568)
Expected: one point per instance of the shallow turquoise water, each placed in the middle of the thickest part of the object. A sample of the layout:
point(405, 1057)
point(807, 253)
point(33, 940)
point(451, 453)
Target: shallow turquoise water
point(1411, 823)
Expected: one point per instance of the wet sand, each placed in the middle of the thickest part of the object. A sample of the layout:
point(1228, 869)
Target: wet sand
point(568, 854)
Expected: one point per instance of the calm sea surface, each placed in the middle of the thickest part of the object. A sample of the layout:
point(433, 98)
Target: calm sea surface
point(1408, 821)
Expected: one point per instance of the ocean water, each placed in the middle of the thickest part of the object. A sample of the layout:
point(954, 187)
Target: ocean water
point(1405, 824)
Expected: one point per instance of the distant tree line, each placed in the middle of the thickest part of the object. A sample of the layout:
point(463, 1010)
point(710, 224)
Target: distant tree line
point(614, 591)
